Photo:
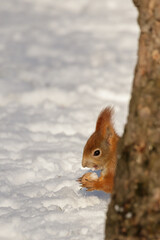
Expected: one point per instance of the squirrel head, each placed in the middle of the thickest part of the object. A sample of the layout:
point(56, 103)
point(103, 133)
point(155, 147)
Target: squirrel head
point(101, 144)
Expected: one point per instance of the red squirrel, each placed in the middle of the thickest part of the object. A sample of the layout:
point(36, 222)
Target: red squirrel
point(100, 154)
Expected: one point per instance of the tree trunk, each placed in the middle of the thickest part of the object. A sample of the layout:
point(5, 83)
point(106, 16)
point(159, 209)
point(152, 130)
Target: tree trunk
point(134, 212)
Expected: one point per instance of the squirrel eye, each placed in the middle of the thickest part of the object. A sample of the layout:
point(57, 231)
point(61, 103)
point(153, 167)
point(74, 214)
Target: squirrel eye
point(96, 153)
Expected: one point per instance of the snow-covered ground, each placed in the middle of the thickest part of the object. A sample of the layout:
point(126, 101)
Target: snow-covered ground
point(61, 62)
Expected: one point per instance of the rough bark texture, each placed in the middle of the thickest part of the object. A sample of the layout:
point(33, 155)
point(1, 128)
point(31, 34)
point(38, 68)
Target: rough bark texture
point(134, 212)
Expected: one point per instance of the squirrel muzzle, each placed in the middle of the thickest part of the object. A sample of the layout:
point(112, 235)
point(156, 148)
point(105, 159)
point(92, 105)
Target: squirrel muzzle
point(84, 162)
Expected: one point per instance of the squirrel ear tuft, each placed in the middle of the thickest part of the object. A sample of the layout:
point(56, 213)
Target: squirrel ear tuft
point(104, 123)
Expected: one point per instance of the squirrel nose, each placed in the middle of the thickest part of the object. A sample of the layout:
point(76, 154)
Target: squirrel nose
point(84, 163)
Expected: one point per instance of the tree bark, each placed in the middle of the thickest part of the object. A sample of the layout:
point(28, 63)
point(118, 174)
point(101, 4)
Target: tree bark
point(134, 212)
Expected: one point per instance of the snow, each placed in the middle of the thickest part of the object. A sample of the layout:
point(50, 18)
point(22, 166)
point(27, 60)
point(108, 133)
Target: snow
point(61, 63)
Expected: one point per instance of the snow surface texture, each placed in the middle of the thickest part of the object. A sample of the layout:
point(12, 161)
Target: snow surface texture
point(61, 63)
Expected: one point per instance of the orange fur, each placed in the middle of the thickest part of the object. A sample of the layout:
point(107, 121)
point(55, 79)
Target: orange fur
point(104, 120)
point(104, 139)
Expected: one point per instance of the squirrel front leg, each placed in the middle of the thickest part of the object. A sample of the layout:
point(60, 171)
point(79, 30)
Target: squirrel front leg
point(103, 183)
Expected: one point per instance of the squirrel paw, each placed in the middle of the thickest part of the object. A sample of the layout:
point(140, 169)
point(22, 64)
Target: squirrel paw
point(88, 181)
